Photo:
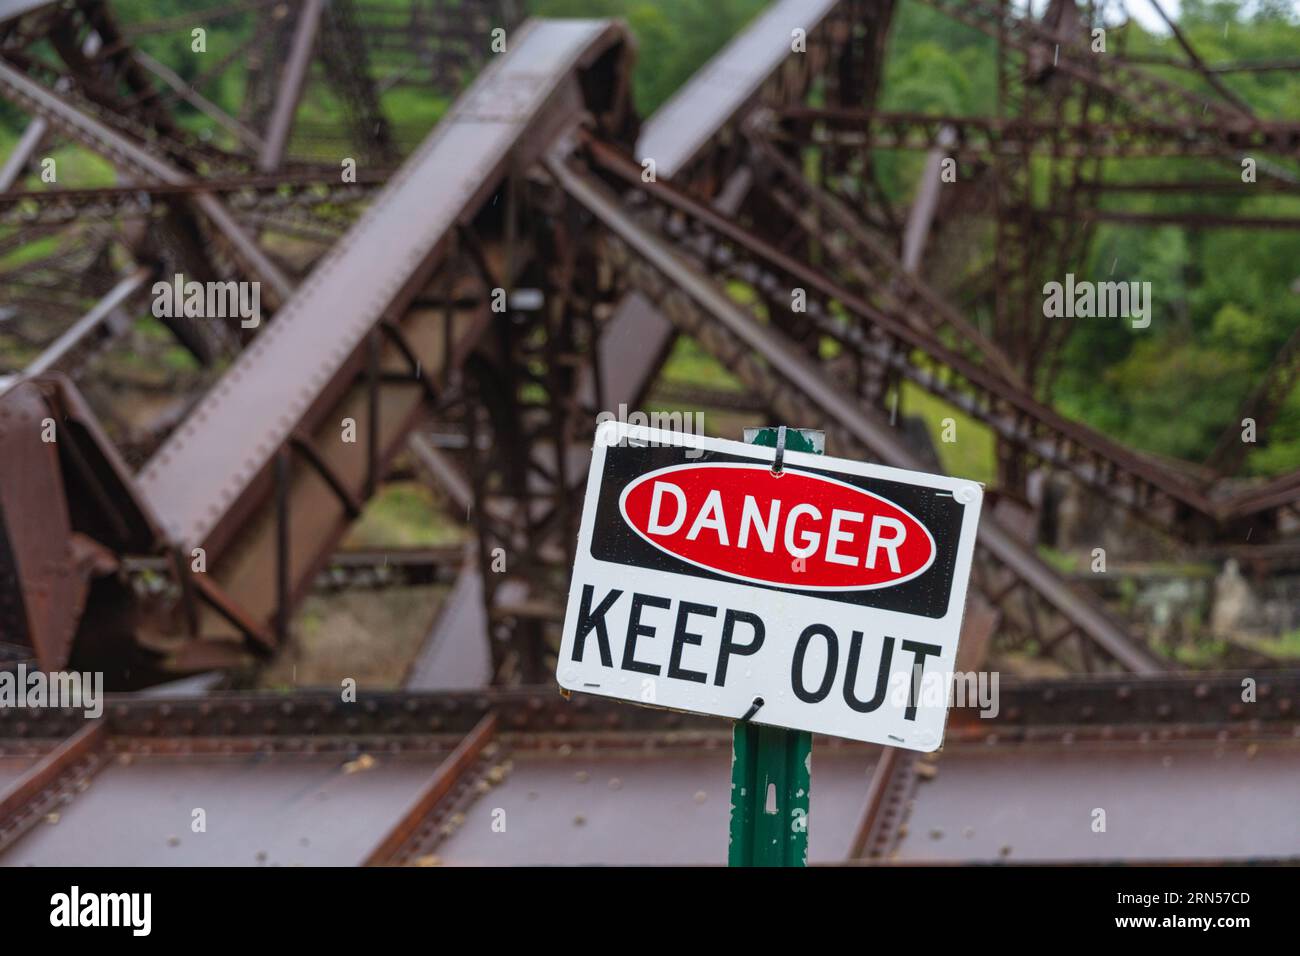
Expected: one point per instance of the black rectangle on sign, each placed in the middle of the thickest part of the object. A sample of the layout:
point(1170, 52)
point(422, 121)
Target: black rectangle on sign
point(926, 595)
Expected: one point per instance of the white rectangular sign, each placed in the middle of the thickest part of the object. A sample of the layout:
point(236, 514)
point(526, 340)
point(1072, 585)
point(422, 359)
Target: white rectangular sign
point(827, 598)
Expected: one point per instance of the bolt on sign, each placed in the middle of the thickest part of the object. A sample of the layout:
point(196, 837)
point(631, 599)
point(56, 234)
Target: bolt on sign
point(826, 596)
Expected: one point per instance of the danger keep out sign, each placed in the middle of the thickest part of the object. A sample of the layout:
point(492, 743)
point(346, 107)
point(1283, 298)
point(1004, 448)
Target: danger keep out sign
point(832, 591)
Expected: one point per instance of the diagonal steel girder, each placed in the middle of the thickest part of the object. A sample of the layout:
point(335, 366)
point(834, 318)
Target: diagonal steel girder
point(884, 335)
point(790, 380)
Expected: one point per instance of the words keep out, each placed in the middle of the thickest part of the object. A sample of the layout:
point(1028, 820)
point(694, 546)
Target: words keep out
point(740, 634)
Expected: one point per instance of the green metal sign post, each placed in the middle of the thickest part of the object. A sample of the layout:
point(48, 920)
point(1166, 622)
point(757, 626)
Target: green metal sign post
point(771, 767)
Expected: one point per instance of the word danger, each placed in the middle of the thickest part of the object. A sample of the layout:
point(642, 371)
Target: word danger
point(700, 643)
point(795, 528)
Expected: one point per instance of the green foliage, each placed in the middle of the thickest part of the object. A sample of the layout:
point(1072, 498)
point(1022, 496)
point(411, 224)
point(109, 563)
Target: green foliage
point(674, 37)
point(402, 514)
point(1224, 300)
point(1065, 564)
point(689, 363)
point(936, 65)
point(972, 453)
point(1281, 452)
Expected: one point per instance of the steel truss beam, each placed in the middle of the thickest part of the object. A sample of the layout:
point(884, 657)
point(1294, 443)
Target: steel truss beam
point(369, 344)
point(131, 157)
point(890, 343)
point(983, 138)
point(800, 391)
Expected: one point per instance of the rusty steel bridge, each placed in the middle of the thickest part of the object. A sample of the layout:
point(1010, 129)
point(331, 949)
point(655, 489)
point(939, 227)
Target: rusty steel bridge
point(380, 310)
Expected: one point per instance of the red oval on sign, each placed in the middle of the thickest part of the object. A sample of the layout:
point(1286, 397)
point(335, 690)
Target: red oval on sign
point(797, 530)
